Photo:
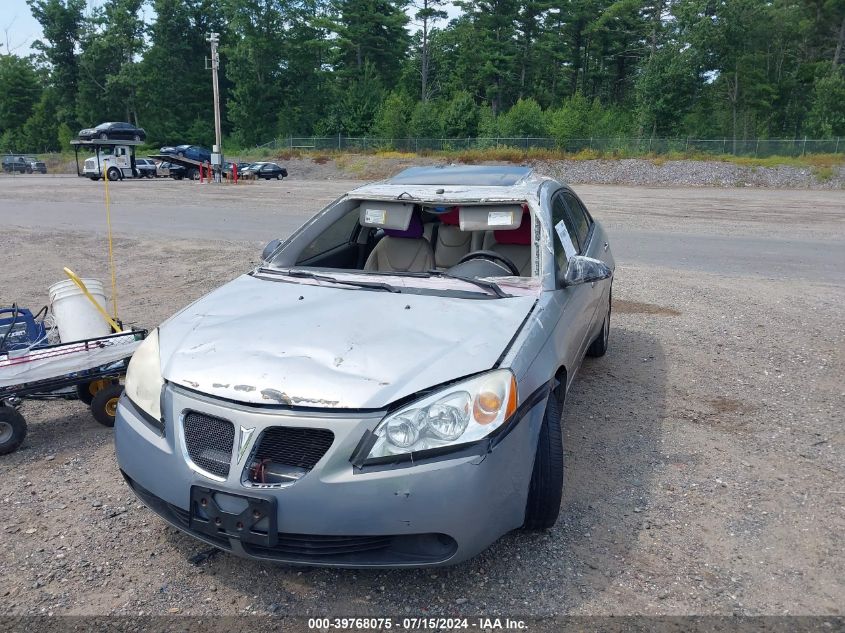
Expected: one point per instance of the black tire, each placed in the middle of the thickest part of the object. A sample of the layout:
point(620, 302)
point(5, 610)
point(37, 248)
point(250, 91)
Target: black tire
point(278, 176)
point(193, 173)
point(104, 137)
point(87, 391)
point(599, 345)
point(137, 137)
point(12, 429)
point(104, 404)
point(546, 488)
point(94, 178)
point(113, 174)
point(29, 170)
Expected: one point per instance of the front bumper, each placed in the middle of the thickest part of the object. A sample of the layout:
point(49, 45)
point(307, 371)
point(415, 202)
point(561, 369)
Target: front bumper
point(436, 512)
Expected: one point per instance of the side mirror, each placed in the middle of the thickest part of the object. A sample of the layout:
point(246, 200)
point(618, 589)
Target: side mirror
point(270, 249)
point(582, 270)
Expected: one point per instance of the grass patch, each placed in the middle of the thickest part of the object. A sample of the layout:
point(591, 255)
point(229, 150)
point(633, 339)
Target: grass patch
point(823, 174)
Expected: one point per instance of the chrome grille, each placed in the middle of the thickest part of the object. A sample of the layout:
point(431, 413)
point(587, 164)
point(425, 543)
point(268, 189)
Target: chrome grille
point(294, 446)
point(209, 442)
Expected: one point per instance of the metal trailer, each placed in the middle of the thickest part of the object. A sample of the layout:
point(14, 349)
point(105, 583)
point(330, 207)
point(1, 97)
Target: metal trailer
point(98, 386)
point(192, 167)
point(117, 165)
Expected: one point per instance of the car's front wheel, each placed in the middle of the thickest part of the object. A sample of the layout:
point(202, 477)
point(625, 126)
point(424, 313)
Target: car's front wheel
point(104, 136)
point(546, 488)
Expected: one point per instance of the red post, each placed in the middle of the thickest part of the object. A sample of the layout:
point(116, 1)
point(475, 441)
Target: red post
point(201, 172)
point(208, 172)
point(235, 172)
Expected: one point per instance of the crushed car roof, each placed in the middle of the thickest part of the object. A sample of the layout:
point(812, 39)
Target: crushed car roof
point(477, 175)
point(455, 183)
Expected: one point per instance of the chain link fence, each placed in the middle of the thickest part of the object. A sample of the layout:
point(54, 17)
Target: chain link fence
point(621, 146)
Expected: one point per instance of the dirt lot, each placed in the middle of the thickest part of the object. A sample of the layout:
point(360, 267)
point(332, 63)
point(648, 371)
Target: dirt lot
point(704, 470)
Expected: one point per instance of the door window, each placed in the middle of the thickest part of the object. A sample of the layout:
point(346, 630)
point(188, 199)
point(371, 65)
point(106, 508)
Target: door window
point(580, 218)
point(560, 215)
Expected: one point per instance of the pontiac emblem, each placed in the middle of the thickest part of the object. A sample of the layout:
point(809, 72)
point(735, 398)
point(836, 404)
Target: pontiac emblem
point(246, 436)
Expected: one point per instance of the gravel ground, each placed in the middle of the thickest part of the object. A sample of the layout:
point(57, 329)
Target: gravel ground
point(704, 464)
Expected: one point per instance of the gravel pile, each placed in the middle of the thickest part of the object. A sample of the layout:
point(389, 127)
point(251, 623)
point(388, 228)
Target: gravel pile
point(641, 172)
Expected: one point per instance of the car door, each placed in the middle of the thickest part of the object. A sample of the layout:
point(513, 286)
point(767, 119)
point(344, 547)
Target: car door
point(593, 243)
point(574, 303)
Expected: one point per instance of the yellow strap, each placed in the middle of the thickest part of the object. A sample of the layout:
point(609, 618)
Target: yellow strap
point(75, 279)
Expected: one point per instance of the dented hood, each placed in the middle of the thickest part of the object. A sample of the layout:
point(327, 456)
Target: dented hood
point(260, 341)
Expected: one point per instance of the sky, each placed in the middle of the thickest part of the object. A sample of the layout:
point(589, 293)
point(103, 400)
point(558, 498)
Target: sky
point(18, 29)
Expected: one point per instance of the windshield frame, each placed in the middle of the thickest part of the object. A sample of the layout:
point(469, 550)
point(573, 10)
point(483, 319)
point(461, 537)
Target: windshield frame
point(286, 254)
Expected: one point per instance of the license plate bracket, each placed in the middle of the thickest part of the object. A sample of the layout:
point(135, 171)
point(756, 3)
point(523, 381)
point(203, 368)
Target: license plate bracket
point(225, 515)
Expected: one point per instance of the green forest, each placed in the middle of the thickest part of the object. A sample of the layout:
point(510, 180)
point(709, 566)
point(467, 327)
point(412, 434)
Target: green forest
point(563, 69)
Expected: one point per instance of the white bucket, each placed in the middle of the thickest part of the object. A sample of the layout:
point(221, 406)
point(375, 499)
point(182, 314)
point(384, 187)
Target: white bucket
point(75, 315)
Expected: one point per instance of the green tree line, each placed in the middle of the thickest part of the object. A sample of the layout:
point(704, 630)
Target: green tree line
point(566, 69)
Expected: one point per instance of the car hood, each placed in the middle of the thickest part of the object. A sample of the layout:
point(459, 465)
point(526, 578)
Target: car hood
point(271, 342)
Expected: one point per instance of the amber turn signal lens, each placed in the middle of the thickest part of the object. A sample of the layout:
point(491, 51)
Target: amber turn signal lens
point(489, 402)
point(511, 399)
point(486, 407)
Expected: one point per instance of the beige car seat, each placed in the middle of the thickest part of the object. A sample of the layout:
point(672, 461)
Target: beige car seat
point(450, 242)
point(402, 251)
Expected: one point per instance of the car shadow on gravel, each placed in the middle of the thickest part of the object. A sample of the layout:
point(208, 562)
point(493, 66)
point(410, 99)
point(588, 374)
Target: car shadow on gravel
point(612, 427)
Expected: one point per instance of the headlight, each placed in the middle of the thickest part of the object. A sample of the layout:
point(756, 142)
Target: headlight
point(459, 414)
point(143, 377)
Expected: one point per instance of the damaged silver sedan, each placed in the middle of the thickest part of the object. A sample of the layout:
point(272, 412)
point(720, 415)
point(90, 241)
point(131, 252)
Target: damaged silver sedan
point(386, 388)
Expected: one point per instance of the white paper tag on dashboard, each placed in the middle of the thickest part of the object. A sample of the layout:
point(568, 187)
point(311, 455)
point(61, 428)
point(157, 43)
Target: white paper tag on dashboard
point(375, 216)
point(500, 218)
point(565, 240)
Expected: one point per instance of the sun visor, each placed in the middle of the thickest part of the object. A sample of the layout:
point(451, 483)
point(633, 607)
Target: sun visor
point(386, 215)
point(491, 217)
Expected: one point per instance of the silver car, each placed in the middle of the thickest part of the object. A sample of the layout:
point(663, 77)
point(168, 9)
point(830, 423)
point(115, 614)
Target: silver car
point(385, 389)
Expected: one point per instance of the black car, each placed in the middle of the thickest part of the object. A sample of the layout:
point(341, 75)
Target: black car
point(113, 131)
point(19, 164)
point(266, 171)
point(177, 172)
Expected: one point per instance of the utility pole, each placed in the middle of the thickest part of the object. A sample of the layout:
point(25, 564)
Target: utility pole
point(214, 38)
